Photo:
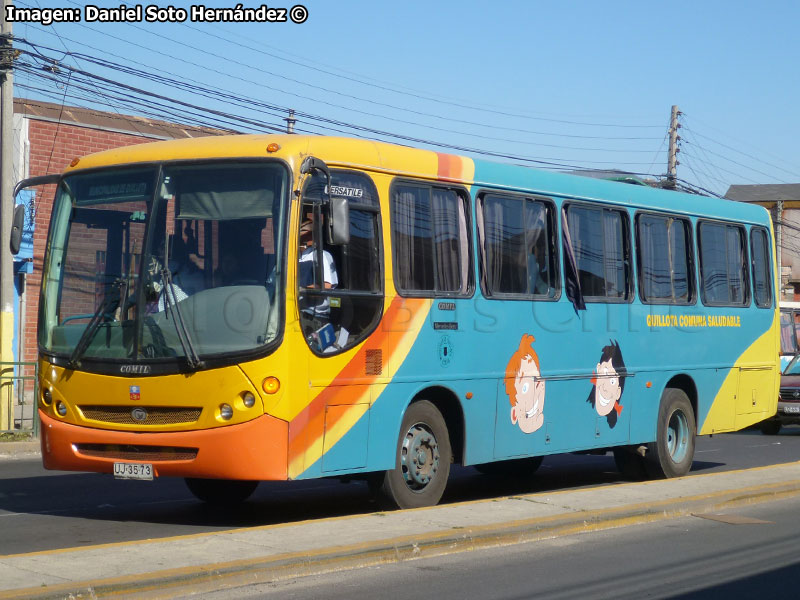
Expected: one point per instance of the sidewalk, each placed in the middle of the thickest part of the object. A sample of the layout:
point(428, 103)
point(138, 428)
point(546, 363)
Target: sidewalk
point(15, 449)
point(160, 568)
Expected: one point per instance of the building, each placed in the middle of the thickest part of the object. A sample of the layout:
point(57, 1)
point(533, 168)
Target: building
point(783, 202)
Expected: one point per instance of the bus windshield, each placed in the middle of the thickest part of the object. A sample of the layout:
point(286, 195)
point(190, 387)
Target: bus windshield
point(155, 263)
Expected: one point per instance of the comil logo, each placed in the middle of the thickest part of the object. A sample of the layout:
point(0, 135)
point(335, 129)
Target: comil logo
point(139, 414)
point(135, 369)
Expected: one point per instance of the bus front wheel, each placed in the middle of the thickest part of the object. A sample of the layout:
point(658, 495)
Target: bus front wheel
point(423, 459)
point(672, 453)
point(221, 491)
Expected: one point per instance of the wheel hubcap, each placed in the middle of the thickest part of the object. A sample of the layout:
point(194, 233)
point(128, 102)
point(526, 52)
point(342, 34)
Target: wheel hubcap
point(419, 457)
point(677, 436)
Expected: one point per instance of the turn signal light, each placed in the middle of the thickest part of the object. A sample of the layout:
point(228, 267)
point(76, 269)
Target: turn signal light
point(271, 385)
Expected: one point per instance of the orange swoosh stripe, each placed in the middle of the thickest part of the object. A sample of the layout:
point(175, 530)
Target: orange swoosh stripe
point(306, 428)
point(451, 167)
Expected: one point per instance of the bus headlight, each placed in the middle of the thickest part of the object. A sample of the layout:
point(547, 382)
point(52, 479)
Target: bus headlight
point(249, 400)
point(47, 396)
point(225, 411)
point(61, 408)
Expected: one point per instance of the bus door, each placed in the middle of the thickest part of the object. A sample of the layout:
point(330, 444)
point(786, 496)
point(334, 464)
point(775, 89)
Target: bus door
point(340, 300)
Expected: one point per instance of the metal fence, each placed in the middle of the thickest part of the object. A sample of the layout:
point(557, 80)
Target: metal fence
point(18, 396)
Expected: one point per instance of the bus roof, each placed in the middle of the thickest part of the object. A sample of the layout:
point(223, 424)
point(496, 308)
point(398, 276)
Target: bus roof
point(413, 162)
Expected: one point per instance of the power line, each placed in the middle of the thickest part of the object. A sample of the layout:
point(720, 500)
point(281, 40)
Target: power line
point(743, 142)
point(413, 94)
point(328, 122)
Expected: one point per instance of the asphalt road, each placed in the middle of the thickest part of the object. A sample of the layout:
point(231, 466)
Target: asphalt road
point(41, 510)
point(748, 552)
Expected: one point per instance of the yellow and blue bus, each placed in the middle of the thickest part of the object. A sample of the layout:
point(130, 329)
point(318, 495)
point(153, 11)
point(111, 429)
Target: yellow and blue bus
point(246, 308)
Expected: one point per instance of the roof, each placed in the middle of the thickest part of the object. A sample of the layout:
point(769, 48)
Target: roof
point(403, 161)
point(96, 119)
point(764, 193)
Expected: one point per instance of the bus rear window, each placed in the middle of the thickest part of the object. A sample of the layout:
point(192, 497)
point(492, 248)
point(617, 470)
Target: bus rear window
point(762, 282)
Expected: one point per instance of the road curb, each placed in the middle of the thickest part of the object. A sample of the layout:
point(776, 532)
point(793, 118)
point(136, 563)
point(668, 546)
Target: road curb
point(216, 576)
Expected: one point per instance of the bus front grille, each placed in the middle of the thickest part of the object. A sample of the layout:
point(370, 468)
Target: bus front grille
point(141, 415)
point(138, 453)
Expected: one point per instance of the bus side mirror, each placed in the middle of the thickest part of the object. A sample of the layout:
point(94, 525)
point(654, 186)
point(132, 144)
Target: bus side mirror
point(16, 228)
point(312, 163)
point(339, 221)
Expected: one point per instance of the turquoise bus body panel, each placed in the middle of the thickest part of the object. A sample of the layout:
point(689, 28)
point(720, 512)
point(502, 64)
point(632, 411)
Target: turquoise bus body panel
point(658, 342)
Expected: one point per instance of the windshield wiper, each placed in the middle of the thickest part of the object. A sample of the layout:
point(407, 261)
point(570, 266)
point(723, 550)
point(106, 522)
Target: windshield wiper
point(111, 296)
point(171, 304)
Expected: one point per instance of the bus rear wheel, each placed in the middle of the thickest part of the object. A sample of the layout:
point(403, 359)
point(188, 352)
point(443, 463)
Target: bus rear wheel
point(422, 461)
point(672, 453)
point(221, 491)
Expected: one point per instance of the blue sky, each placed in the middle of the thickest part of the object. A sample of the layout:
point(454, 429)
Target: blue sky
point(570, 84)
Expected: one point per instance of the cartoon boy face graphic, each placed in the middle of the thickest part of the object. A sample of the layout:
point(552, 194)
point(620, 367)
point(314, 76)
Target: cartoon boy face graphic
point(607, 390)
point(609, 381)
point(525, 387)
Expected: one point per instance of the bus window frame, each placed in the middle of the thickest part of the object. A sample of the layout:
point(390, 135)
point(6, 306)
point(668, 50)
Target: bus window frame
point(769, 270)
point(555, 246)
point(162, 366)
point(337, 292)
point(466, 198)
point(745, 270)
point(692, 267)
point(630, 279)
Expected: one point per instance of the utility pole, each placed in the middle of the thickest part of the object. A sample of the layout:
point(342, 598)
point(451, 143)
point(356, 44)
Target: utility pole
point(290, 121)
point(672, 158)
point(6, 212)
point(778, 244)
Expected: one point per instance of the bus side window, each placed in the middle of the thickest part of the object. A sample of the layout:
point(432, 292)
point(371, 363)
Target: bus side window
point(723, 270)
point(664, 246)
point(518, 251)
point(341, 298)
point(600, 242)
point(430, 240)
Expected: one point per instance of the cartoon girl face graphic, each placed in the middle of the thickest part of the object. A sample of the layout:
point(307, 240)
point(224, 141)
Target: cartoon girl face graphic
point(609, 381)
point(525, 387)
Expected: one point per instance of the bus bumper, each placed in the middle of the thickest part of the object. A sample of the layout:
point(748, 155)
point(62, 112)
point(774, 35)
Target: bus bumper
point(254, 450)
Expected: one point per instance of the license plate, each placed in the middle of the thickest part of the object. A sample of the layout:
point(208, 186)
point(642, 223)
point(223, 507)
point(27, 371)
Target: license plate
point(133, 471)
point(791, 409)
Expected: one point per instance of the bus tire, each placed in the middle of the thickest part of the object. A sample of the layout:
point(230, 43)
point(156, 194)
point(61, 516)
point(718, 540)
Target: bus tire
point(672, 453)
point(221, 492)
point(422, 461)
point(517, 467)
point(629, 463)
